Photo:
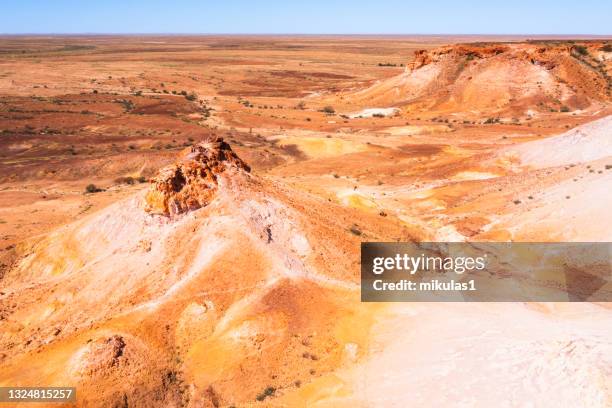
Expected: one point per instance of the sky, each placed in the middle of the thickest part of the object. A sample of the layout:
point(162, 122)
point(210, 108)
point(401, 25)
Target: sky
point(306, 17)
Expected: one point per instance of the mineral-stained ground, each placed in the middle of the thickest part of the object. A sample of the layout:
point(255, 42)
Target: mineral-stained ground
point(180, 217)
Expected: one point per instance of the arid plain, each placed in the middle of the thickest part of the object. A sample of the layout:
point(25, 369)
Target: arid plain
point(148, 263)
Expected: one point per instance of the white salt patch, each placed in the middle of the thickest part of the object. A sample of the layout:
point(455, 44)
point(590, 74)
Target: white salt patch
point(370, 112)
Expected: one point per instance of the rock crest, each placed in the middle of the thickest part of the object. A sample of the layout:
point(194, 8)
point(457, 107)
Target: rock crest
point(192, 182)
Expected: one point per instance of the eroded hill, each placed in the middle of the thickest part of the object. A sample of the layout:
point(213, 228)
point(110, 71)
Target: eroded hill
point(510, 79)
point(256, 280)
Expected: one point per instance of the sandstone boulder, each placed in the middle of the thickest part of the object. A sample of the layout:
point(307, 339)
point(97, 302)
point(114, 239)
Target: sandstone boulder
point(192, 182)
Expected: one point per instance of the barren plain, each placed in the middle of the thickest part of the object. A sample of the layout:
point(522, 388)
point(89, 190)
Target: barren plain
point(180, 216)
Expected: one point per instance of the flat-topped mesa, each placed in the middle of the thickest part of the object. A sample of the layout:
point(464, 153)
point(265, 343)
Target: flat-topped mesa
point(545, 53)
point(426, 57)
point(192, 183)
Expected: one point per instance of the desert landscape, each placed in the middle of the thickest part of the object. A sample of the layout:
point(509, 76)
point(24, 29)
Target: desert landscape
point(181, 216)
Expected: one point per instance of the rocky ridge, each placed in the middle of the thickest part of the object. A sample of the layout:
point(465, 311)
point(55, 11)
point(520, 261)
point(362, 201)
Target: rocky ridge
point(508, 79)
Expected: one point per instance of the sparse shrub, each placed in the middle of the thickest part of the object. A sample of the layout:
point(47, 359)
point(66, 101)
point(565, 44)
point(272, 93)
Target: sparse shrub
point(581, 49)
point(328, 110)
point(268, 392)
point(607, 48)
point(191, 96)
point(124, 180)
point(301, 105)
point(92, 188)
point(132, 147)
point(127, 104)
point(141, 179)
point(378, 115)
point(564, 109)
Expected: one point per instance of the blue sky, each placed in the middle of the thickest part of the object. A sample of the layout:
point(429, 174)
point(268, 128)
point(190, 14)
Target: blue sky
point(307, 17)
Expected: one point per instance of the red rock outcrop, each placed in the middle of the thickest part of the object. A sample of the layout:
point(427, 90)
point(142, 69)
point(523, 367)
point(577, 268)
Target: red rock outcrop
point(192, 183)
point(514, 80)
point(426, 57)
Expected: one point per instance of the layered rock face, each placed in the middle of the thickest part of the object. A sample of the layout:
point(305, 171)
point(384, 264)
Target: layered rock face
point(514, 80)
point(426, 57)
point(192, 182)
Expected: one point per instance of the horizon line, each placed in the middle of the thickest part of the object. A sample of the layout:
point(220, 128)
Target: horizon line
point(308, 34)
